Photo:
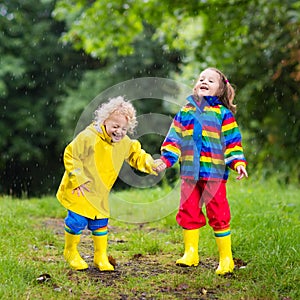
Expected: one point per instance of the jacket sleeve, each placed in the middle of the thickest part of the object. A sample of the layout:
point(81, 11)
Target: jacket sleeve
point(73, 156)
point(139, 159)
point(233, 154)
point(171, 147)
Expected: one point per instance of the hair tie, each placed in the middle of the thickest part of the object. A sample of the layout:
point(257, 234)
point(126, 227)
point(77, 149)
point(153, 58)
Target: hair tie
point(226, 81)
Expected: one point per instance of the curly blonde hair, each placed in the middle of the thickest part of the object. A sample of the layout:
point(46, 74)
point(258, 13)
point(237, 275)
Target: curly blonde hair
point(117, 105)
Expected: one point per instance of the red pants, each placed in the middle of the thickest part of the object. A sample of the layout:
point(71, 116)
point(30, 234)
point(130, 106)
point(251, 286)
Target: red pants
point(196, 193)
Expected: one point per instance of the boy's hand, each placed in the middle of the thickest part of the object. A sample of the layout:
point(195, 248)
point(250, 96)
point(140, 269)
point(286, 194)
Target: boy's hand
point(80, 190)
point(159, 165)
point(242, 172)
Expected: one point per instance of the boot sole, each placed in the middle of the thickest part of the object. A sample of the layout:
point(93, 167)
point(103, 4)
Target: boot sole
point(105, 270)
point(185, 265)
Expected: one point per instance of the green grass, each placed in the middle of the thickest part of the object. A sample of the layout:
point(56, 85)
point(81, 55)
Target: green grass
point(265, 235)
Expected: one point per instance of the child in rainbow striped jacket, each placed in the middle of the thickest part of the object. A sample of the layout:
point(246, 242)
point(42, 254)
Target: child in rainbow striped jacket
point(205, 138)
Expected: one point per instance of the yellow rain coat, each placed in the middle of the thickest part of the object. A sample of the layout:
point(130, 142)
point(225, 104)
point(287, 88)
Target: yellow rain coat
point(92, 158)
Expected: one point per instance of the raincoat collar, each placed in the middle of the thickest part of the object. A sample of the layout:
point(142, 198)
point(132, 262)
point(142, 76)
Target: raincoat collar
point(102, 132)
point(206, 100)
point(212, 100)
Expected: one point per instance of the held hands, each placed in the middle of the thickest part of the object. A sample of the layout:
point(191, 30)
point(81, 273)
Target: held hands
point(159, 165)
point(242, 172)
point(80, 190)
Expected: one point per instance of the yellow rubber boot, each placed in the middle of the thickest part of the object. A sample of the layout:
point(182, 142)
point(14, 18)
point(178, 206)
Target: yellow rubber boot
point(100, 257)
point(226, 264)
point(191, 256)
point(71, 253)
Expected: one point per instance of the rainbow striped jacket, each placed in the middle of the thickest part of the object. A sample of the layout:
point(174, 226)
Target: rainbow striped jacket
point(205, 138)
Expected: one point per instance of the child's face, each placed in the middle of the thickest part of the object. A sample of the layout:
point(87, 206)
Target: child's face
point(208, 84)
point(116, 127)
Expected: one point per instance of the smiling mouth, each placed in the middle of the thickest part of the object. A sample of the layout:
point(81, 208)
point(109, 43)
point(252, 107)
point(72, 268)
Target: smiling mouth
point(117, 137)
point(204, 88)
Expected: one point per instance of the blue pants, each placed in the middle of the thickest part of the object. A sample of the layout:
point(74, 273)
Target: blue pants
point(76, 223)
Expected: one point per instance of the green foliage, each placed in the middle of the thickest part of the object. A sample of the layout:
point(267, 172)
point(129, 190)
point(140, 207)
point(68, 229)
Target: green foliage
point(93, 17)
point(44, 85)
point(269, 96)
point(254, 42)
point(148, 60)
point(34, 70)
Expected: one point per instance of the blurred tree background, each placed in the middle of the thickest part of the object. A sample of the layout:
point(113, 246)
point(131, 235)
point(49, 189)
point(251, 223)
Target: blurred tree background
point(56, 56)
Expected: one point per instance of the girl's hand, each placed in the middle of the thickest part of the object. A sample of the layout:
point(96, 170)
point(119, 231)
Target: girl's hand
point(242, 172)
point(80, 190)
point(159, 165)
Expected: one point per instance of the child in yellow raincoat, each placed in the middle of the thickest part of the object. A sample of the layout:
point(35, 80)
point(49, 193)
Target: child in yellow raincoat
point(92, 163)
